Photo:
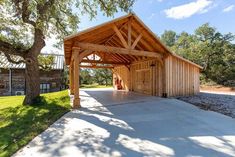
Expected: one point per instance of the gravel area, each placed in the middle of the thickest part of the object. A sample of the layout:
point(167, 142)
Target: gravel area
point(222, 102)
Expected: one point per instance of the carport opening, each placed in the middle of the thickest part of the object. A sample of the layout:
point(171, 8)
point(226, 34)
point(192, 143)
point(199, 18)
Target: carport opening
point(138, 75)
point(140, 62)
point(127, 47)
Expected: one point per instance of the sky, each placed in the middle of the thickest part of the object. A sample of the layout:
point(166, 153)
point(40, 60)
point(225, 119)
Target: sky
point(176, 15)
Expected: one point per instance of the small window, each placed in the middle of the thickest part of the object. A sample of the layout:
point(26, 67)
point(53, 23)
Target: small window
point(44, 87)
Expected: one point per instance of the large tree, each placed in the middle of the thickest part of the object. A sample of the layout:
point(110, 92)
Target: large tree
point(214, 51)
point(169, 38)
point(26, 23)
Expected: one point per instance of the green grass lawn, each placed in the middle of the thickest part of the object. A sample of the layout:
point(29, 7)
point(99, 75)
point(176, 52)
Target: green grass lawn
point(95, 86)
point(19, 124)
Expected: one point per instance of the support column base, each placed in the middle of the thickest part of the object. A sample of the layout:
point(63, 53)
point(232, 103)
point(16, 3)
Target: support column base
point(76, 103)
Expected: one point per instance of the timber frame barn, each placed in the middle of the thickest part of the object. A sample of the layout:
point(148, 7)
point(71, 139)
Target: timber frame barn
point(138, 59)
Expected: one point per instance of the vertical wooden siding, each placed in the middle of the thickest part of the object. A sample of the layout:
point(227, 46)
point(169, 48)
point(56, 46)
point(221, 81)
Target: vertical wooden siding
point(143, 77)
point(182, 78)
point(123, 74)
point(149, 71)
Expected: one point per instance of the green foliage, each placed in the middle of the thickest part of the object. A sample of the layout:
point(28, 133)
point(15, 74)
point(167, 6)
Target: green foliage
point(46, 62)
point(86, 76)
point(103, 76)
point(25, 24)
point(19, 18)
point(19, 124)
point(95, 85)
point(99, 76)
point(169, 38)
point(209, 48)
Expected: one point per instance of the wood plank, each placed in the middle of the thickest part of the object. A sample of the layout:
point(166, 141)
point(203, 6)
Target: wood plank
point(76, 99)
point(114, 34)
point(136, 41)
point(103, 62)
point(84, 54)
point(120, 36)
point(71, 77)
point(110, 49)
point(117, 55)
point(98, 26)
point(129, 33)
point(95, 67)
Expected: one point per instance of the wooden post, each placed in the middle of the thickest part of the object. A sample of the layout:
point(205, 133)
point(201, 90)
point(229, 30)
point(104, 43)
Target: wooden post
point(129, 33)
point(71, 77)
point(164, 69)
point(76, 72)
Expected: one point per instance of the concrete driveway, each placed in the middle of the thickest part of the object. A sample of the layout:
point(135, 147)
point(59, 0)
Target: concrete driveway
point(117, 123)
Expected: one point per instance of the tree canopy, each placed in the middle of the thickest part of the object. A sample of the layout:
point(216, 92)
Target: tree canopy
point(26, 23)
point(214, 51)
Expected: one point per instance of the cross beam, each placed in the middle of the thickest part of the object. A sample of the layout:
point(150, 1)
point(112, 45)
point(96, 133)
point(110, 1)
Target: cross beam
point(103, 62)
point(90, 66)
point(110, 49)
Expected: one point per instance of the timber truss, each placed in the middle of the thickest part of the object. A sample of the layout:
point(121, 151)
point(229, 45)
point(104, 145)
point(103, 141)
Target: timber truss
point(118, 43)
point(122, 41)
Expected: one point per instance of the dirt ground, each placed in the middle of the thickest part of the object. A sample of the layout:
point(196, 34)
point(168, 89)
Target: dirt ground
point(217, 88)
point(222, 101)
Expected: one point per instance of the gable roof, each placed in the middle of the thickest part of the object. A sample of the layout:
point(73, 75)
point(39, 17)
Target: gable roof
point(5, 64)
point(104, 34)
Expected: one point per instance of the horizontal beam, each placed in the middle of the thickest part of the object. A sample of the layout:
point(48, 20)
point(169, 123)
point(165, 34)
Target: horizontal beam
point(103, 62)
point(110, 49)
point(84, 54)
point(94, 67)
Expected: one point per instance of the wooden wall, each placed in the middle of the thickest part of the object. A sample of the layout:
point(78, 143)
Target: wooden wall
point(52, 77)
point(181, 78)
point(144, 76)
point(123, 74)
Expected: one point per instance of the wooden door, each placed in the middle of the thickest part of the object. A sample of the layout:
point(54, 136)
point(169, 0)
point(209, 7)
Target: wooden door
point(143, 81)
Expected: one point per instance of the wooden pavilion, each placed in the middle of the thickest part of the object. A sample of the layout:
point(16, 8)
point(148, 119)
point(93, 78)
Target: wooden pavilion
point(138, 59)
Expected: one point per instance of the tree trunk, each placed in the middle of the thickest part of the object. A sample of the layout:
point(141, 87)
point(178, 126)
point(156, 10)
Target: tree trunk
point(32, 79)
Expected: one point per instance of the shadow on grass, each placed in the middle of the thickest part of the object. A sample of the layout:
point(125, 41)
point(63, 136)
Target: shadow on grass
point(21, 124)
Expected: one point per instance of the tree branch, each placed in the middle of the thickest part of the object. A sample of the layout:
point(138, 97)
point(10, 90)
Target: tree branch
point(8, 48)
point(39, 42)
point(103, 4)
point(26, 13)
point(42, 9)
point(12, 60)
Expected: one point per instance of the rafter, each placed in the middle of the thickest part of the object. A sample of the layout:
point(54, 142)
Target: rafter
point(124, 43)
point(110, 49)
point(84, 54)
point(136, 41)
point(124, 34)
point(116, 55)
point(115, 33)
point(129, 33)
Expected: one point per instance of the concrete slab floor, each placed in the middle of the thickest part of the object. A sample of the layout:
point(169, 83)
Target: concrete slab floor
point(118, 123)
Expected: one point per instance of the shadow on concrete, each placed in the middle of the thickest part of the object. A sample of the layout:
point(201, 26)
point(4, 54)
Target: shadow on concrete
point(116, 123)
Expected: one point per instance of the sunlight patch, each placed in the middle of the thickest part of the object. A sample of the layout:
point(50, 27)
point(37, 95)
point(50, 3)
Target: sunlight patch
point(146, 147)
point(109, 120)
point(223, 144)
